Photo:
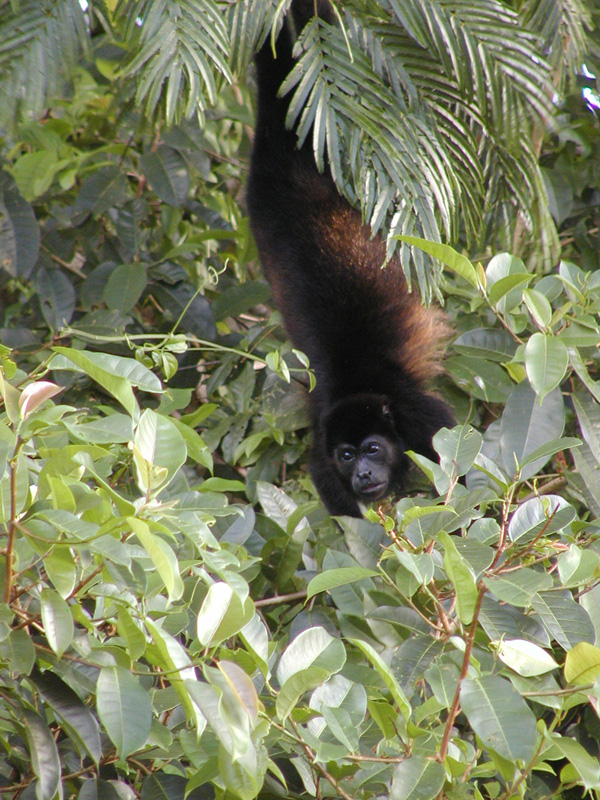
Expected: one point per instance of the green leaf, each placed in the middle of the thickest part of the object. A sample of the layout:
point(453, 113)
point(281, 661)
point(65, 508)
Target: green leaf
point(388, 678)
point(564, 619)
point(458, 448)
point(57, 297)
point(313, 647)
point(525, 658)
point(540, 515)
point(527, 425)
point(125, 286)
point(163, 557)
point(546, 362)
point(463, 580)
point(102, 190)
point(77, 720)
point(417, 778)
point(499, 716)
point(119, 387)
point(538, 306)
point(582, 664)
point(57, 621)
point(586, 766)
point(518, 588)
point(167, 174)
point(159, 451)
point(337, 577)
point(222, 614)
point(305, 680)
point(19, 232)
point(18, 652)
point(45, 760)
point(124, 709)
point(447, 255)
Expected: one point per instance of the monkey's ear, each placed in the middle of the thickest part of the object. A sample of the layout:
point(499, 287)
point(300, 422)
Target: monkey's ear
point(386, 410)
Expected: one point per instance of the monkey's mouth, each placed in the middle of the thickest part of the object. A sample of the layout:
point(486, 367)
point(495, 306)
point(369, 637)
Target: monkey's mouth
point(375, 491)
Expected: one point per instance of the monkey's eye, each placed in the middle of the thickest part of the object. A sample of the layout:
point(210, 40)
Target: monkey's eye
point(346, 454)
point(373, 448)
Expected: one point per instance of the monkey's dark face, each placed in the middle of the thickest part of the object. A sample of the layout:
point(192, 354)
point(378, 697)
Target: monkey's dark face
point(364, 447)
point(367, 467)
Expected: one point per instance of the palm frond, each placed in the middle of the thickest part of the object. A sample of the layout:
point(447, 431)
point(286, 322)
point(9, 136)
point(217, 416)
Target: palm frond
point(181, 49)
point(41, 41)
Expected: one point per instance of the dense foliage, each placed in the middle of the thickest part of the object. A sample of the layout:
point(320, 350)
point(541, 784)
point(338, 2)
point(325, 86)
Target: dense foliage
point(179, 615)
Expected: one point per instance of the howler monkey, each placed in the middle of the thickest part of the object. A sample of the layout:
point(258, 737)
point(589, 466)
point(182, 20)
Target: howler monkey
point(372, 345)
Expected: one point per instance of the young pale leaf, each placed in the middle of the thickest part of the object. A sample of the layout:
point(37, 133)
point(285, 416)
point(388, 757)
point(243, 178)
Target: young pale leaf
point(499, 716)
point(546, 362)
point(57, 620)
point(417, 778)
point(525, 658)
point(582, 664)
point(124, 709)
point(45, 760)
point(337, 577)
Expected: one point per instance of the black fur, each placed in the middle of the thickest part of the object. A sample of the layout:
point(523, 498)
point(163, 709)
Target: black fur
point(370, 342)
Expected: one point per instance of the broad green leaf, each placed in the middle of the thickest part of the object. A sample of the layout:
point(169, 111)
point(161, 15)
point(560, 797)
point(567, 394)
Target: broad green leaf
point(173, 659)
point(417, 778)
point(540, 515)
point(18, 651)
point(119, 387)
point(564, 619)
point(76, 719)
point(538, 306)
point(447, 255)
point(131, 634)
point(582, 664)
point(103, 189)
point(518, 588)
point(489, 343)
point(388, 678)
point(162, 555)
point(133, 371)
point(588, 416)
point(527, 425)
point(222, 614)
point(19, 233)
point(124, 709)
point(62, 571)
point(509, 286)
point(167, 174)
point(546, 362)
point(313, 647)
point(305, 680)
point(45, 760)
point(337, 577)
point(525, 658)
point(125, 286)
point(57, 297)
point(586, 765)
point(57, 620)
point(159, 451)
point(463, 580)
point(499, 716)
point(457, 448)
